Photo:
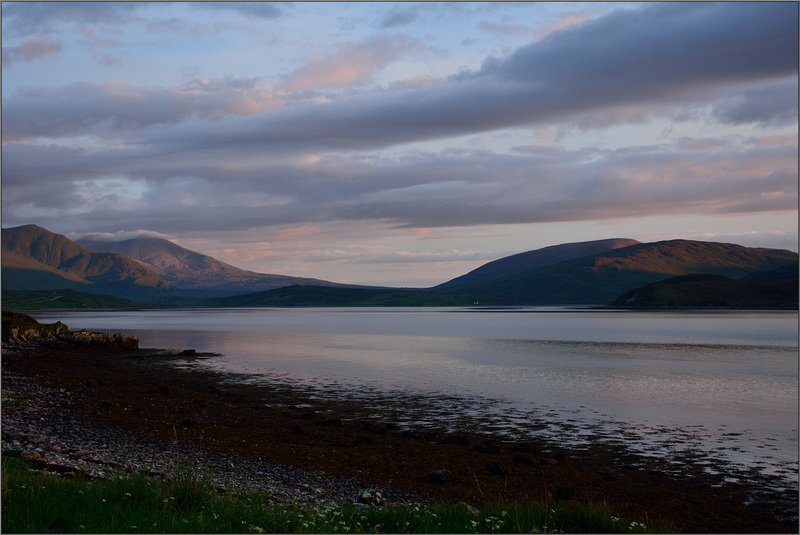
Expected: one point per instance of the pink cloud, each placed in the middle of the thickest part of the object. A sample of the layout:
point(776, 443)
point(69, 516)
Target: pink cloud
point(30, 49)
point(351, 63)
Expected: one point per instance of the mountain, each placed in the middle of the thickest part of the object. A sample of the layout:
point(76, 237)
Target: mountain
point(34, 258)
point(200, 274)
point(548, 256)
point(601, 278)
point(703, 290)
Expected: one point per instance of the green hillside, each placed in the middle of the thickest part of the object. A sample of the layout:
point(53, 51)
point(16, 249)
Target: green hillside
point(600, 279)
point(63, 298)
point(323, 296)
point(703, 290)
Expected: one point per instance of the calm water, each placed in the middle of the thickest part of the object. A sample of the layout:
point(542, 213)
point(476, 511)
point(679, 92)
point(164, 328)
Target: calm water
point(723, 383)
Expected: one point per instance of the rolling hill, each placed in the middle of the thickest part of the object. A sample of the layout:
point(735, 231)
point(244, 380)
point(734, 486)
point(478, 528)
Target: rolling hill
point(34, 258)
point(591, 273)
point(530, 260)
point(200, 274)
point(601, 278)
point(703, 290)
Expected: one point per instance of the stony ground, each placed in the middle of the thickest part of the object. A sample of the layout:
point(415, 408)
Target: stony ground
point(99, 412)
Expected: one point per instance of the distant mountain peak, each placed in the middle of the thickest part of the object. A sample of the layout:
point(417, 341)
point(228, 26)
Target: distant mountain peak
point(35, 258)
point(201, 274)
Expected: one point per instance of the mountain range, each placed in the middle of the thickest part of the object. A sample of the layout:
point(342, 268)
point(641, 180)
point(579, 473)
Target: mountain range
point(154, 270)
point(197, 273)
point(34, 258)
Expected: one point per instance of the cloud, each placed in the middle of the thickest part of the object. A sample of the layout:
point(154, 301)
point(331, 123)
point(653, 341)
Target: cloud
point(31, 49)
point(602, 72)
point(121, 106)
point(261, 10)
point(399, 17)
point(236, 154)
point(26, 18)
point(771, 103)
point(351, 63)
point(120, 235)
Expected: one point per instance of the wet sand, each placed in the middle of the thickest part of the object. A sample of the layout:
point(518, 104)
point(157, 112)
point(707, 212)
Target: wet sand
point(144, 393)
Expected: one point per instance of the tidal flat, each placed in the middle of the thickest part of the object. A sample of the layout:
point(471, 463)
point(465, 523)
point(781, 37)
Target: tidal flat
point(330, 447)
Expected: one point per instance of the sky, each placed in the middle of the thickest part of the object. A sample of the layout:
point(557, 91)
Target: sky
point(400, 144)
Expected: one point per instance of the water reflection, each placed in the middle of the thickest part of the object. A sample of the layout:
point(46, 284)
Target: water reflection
point(722, 383)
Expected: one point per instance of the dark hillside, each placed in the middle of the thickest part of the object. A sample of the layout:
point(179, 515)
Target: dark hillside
point(601, 278)
point(539, 258)
point(322, 296)
point(703, 290)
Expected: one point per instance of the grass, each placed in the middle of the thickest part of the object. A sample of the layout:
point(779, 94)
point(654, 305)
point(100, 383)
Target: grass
point(36, 502)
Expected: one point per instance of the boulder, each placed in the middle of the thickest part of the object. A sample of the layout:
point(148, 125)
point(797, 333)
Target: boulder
point(370, 497)
point(440, 477)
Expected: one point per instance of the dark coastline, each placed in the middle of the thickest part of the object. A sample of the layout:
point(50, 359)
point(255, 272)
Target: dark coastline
point(141, 392)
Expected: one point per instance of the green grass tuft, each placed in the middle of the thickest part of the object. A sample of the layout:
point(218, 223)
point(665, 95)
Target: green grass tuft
point(35, 502)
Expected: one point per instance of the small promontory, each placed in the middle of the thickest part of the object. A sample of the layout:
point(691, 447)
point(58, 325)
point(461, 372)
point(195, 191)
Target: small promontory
point(22, 331)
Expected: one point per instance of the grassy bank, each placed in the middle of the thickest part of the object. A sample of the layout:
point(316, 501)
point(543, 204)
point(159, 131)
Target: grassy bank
point(34, 502)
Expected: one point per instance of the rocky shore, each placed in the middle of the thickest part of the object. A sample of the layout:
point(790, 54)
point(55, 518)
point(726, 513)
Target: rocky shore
point(97, 410)
point(44, 426)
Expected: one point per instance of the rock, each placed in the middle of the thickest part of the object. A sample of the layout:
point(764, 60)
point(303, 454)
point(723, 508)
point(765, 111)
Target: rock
point(31, 456)
point(188, 353)
point(140, 410)
point(440, 477)
point(496, 468)
point(106, 403)
point(89, 383)
point(298, 430)
point(21, 330)
point(370, 497)
point(548, 460)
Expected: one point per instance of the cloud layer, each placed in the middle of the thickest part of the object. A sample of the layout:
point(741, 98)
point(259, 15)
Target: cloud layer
point(499, 143)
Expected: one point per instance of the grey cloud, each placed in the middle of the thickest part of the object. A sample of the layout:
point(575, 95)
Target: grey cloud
point(664, 56)
point(436, 189)
point(771, 104)
point(25, 18)
point(398, 18)
point(86, 108)
point(670, 56)
point(262, 10)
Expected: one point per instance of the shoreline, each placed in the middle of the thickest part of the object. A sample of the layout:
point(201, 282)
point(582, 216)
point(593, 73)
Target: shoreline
point(141, 393)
